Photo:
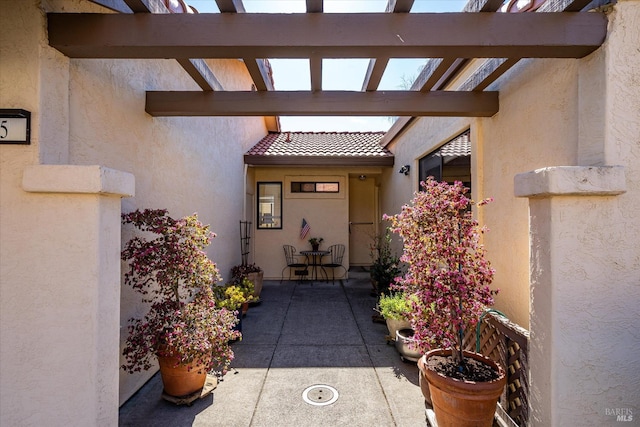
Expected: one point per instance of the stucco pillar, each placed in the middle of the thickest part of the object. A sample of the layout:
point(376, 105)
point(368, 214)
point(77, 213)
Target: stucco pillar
point(63, 325)
point(580, 323)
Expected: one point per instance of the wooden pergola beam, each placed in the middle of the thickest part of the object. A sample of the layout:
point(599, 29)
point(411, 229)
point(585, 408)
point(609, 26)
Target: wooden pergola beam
point(444, 70)
point(200, 73)
point(315, 6)
point(488, 73)
point(483, 5)
point(255, 65)
point(461, 35)
point(374, 73)
point(230, 6)
point(399, 6)
point(315, 72)
point(438, 71)
point(259, 73)
point(326, 103)
point(196, 68)
point(377, 66)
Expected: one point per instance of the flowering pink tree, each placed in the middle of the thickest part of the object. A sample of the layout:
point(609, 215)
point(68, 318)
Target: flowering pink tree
point(447, 269)
point(175, 275)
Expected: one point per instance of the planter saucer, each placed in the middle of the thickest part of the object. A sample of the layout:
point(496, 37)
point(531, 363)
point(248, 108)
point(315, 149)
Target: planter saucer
point(209, 385)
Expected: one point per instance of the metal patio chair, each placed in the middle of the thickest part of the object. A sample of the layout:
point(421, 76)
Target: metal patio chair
point(336, 253)
point(294, 264)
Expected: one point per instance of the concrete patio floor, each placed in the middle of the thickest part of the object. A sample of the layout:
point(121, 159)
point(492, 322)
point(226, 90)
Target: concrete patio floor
point(301, 335)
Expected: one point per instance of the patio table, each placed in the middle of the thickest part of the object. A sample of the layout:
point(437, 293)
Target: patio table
point(314, 260)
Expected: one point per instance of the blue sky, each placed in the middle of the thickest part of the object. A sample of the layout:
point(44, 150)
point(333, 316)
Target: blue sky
point(337, 74)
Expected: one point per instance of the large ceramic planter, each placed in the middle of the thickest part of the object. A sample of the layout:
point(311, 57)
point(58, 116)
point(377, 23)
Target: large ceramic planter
point(394, 325)
point(180, 380)
point(257, 279)
point(458, 403)
point(405, 344)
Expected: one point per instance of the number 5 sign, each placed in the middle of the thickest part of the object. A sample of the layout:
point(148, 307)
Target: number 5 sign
point(15, 126)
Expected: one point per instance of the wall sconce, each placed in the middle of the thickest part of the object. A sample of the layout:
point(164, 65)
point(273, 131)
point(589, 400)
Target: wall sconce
point(362, 177)
point(405, 170)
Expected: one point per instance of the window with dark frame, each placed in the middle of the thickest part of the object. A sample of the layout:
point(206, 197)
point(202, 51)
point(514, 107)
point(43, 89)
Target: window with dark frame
point(269, 205)
point(315, 187)
point(451, 162)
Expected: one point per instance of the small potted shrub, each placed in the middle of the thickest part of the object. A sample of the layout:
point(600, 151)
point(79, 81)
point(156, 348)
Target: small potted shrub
point(183, 328)
point(386, 265)
point(233, 297)
point(248, 290)
point(395, 308)
point(447, 270)
point(230, 297)
point(251, 272)
point(315, 242)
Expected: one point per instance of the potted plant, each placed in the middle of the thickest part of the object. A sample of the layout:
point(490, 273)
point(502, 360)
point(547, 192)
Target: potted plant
point(251, 272)
point(183, 328)
point(232, 297)
point(395, 309)
point(315, 242)
point(447, 269)
point(386, 265)
point(248, 292)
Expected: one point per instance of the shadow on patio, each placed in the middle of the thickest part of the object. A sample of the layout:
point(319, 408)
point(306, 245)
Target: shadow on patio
point(299, 336)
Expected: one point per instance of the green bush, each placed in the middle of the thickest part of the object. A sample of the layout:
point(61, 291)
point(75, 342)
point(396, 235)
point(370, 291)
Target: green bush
point(395, 305)
point(386, 265)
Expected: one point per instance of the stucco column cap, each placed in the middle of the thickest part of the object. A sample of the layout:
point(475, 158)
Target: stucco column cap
point(92, 179)
point(571, 181)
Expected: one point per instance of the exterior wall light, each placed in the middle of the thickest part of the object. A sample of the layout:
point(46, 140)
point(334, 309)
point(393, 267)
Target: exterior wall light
point(362, 177)
point(405, 170)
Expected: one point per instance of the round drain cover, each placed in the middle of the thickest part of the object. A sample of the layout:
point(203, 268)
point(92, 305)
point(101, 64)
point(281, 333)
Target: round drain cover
point(320, 395)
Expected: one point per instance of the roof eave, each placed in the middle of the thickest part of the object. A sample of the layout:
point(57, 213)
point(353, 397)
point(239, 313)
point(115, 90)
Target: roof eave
point(261, 160)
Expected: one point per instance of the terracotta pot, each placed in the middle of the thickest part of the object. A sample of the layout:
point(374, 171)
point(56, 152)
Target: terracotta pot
point(464, 403)
point(180, 380)
point(245, 308)
point(424, 383)
point(257, 279)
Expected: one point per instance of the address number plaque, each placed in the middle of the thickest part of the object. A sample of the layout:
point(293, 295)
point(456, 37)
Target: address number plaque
point(15, 126)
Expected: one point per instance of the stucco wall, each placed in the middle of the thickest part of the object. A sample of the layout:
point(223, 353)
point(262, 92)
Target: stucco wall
point(183, 164)
point(91, 112)
point(327, 214)
point(585, 255)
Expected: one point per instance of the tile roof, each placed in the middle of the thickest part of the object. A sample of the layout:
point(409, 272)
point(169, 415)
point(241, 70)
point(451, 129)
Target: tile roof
point(458, 146)
point(320, 148)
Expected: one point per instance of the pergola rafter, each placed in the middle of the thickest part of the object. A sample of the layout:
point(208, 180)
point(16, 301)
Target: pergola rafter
point(376, 67)
point(448, 40)
point(255, 64)
point(492, 69)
